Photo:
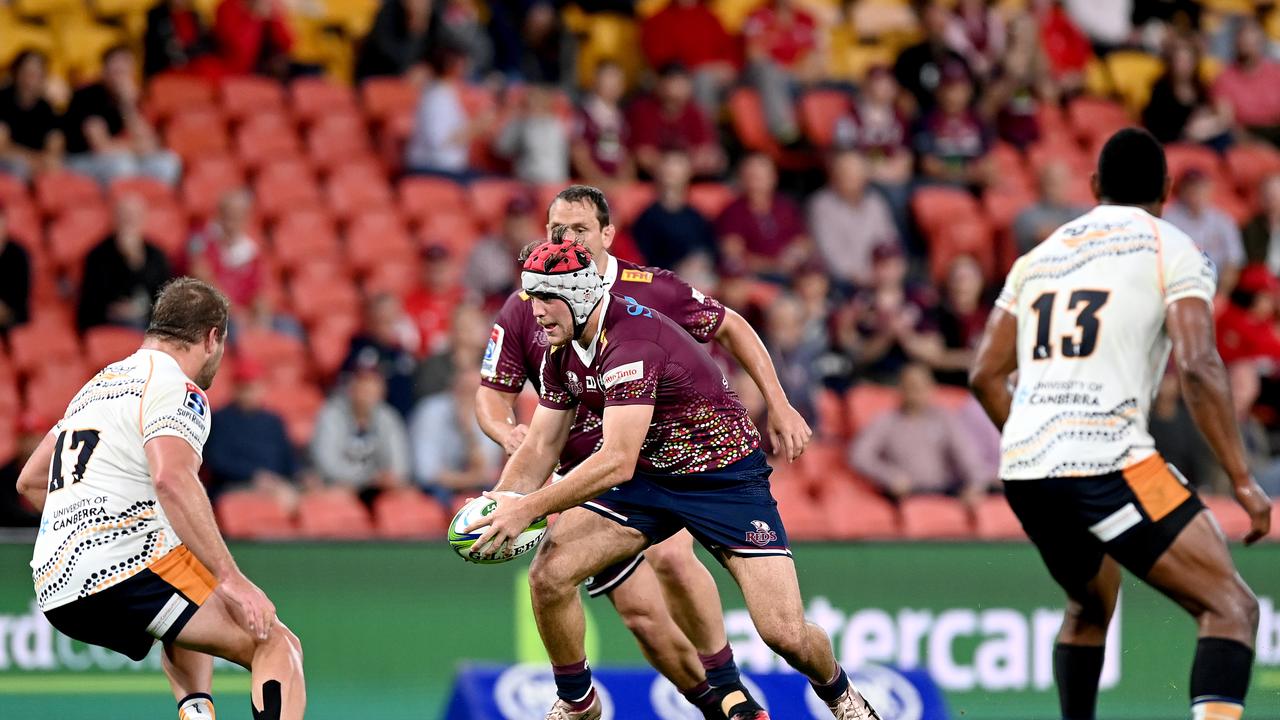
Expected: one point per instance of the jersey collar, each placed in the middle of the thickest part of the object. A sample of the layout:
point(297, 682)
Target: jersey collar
point(610, 273)
point(588, 354)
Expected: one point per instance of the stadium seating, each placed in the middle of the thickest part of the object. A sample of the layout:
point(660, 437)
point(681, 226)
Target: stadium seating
point(196, 134)
point(296, 403)
point(934, 517)
point(312, 98)
point(252, 515)
point(59, 191)
point(408, 514)
point(245, 96)
point(302, 236)
point(107, 344)
point(820, 110)
point(170, 94)
point(333, 514)
point(854, 514)
point(994, 520)
point(1232, 518)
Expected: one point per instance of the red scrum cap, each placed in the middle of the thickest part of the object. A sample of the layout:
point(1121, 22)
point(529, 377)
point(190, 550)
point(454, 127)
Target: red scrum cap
point(564, 269)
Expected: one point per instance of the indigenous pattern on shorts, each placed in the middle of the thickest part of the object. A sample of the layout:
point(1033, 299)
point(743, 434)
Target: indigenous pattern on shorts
point(517, 344)
point(639, 356)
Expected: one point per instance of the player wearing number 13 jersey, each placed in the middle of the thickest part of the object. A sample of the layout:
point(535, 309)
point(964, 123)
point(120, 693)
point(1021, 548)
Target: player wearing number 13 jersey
point(1087, 319)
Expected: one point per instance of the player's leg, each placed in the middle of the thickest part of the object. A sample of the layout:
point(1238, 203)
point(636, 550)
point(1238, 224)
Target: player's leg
point(191, 677)
point(579, 544)
point(1081, 646)
point(1197, 572)
point(278, 689)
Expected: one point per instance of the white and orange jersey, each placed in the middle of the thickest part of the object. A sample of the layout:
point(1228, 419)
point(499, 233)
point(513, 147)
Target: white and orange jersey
point(102, 522)
point(1090, 304)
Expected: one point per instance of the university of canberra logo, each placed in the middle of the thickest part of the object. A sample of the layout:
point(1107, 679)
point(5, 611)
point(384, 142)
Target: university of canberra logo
point(762, 535)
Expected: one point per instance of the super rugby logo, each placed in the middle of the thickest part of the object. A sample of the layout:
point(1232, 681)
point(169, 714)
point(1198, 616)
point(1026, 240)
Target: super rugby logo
point(489, 366)
point(762, 535)
point(196, 402)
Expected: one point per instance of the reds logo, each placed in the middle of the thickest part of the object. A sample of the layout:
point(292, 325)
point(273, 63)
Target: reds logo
point(762, 535)
point(572, 385)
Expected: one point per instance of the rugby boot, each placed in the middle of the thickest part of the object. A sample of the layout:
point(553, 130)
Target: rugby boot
point(852, 706)
point(739, 705)
point(564, 711)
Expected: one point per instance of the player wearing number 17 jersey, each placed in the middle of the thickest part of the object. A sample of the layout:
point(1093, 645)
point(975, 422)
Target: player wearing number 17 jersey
point(1087, 319)
point(128, 551)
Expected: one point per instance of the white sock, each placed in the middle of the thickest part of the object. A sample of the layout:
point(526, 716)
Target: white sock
point(196, 706)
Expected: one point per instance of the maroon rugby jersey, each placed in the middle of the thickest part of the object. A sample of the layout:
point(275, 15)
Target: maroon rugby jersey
point(517, 344)
point(642, 357)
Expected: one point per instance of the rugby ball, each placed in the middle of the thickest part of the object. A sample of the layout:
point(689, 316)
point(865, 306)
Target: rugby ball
point(461, 542)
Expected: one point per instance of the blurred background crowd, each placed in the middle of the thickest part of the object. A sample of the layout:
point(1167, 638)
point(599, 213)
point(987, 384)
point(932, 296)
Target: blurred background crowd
point(854, 177)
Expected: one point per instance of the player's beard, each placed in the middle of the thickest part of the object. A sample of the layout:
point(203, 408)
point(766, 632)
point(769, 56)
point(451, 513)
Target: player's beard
point(204, 378)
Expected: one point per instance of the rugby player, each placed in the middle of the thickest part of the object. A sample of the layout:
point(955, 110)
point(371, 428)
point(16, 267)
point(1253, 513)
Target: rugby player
point(678, 451)
point(128, 550)
point(670, 603)
point(1087, 319)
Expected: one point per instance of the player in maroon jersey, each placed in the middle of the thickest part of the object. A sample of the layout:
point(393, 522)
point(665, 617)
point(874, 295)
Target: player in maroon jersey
point(678, 451)
point(670, 602)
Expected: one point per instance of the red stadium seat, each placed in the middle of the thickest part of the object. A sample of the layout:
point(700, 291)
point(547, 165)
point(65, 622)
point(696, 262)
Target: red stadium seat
point(1182, 157)
point(385, 97)
point(1063, 149)
point(315, 298)
point(170, 94)
point(801, 514)
point(398, 278)
point(330, 337)
point(58, 191)
point(833, 422)
point(336, 139)
point(746, 116)
point(197, 134)
point(995, 520)
point(285, 186)
point(253, 515)
point(1095, 119)
point(333, 514)
point(8, 439)
point(489, 198)
point(1002, 206)
point(12, 190)
point(149, 189)
point(313, 98)
point(166, 228)
point(970, 236)
point(421, 196)
point(854, 514)
point(453, 227)
point(36, 343)
point(1249, 163)
point(302, 236)
point(297, 405)
point(931, 517)
point(408, 514)
point(206, 180)
point(1232, 518)
point(710, 198)
point(49, 392)
point(75, 233)
point(868, 402)
point(283, 356)
point(820, 110)
point(377, 237)
point(23, 222)
point(935, 207)
point(266, 138)
point(107, 344)
point(249, 95)
point(626, 202)
point(354, 189)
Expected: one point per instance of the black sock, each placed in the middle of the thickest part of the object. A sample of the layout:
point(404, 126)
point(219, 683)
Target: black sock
point(831, 691)
point(1220, 671)
point(720, 667)
point(1077, 669)
point(703, 697)
point(195, 696)
point(270, 702)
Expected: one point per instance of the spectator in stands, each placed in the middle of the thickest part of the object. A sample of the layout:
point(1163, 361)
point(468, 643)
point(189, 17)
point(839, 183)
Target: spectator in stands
point(670, 230)
point(1019, 85)
point(1066, 46)
point(123, 273)
point(462, 350)
point(1178, 441)
point(877, 129)
point(254, 37)
point(30, 141)
point(892, 322)
point(451, 455)
point(794, 353)
point(107, 135)
point(952, 142)
point(782, 50)
point(762, 231)
point(15, 280)
point(687, 32)
point(461, 27)
point(530, 42)
point(1107, 23)
point(429, 306)
point(1246, 327)
point(1251, 85)
point(669, 119)
point(976, 30)
point(1052, 210)
point(1261, 235)
point(849, 221)
point(1212, 229)
point(1181, 108)
point(536, 139)
point(442, 130)
point(600, 135)
point(399, 41)
point(177, 38)
point(919, 67)
point(921, 447)
point(962, 317)
point(224, 255)
point(360, 441)
point(248, 448)
point(14, 510)
point(386, 343)
point(491, 273)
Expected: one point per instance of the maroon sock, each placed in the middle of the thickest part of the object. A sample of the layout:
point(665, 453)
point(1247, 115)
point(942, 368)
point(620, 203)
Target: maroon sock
point(573, 684)
point(722, 671)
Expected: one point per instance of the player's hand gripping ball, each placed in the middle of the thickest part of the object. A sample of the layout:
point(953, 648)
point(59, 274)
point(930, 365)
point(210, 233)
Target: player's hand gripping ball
point(480, 507)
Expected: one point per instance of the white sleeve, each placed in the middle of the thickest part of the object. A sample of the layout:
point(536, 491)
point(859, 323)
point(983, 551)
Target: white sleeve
point(174, 406)
point(1008, 298)
point(1187, 272)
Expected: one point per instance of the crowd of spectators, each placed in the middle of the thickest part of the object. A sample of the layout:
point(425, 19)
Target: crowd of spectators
point(824, 256)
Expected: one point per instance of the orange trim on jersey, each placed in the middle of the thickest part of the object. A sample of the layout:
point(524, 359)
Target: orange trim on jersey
point(1155, 232)
point(185, 573)
point(1157, 488)
point(142, 400)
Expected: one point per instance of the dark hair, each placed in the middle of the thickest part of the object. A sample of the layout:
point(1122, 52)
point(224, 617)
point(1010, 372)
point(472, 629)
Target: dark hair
point(1132, 168)
point(593, 196)
point(186, 309)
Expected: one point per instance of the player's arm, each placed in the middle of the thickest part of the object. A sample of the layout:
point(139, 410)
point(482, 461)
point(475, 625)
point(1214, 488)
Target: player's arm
point(496, 413)
point(997, 359)
point(175, 465)
point(535, 459)
point(787, 429)
point(1207, 391)
point(33, 481)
